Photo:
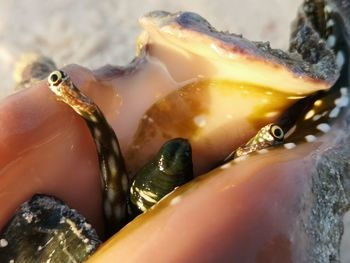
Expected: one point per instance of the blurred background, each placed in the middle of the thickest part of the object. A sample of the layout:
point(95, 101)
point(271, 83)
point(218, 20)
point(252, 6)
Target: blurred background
point(94, 33)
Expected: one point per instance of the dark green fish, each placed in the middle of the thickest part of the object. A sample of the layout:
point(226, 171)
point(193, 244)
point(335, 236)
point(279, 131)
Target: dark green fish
point(170, 168)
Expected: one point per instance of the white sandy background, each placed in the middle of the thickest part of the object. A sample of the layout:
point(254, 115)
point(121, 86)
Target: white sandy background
point(93, 33)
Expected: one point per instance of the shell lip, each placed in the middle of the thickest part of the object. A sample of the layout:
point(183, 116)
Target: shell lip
point(192, 33)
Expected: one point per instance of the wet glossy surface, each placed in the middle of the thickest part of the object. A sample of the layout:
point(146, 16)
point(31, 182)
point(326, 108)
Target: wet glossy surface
point(256, 189)
point(214, 218)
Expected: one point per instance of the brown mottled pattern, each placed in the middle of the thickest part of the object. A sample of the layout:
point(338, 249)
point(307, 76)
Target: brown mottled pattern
point(112, 168)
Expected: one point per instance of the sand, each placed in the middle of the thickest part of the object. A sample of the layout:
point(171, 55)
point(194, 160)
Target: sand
point(94, 33)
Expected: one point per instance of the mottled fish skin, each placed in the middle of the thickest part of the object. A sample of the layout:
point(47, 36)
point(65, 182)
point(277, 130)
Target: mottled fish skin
point(267, 136)
point(44, 229)
point(322, 24)
point(170, 168)
point(115, 184)
point(319, 111)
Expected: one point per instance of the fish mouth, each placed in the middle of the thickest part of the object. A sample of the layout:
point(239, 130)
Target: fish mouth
point(266, 187)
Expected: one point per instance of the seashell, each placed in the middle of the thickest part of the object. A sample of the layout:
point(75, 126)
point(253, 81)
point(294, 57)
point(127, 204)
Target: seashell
point(309, 88)
point(171, 167)
point(277, 205)
point(225, 68)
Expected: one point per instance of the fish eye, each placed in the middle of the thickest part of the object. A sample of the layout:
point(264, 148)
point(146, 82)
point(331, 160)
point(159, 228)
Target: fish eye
point(56, 77)
point(277, 132)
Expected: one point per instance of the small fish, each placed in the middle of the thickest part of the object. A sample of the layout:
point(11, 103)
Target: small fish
point(267, 136)
point(312, 116)
point(45, 229)
point(170, 168)
point(115, 183)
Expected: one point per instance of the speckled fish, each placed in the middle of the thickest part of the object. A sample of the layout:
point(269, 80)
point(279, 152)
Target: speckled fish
point(45, 228)
point(313, 115)
point(269, 135)
point(115, 185)
point(330, 19)
point(253, 84)
point(280, 206)
point(171, 167)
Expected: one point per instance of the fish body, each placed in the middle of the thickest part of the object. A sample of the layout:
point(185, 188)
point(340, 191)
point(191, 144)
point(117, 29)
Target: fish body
point(318, 112)
point(170, 168)
point(114, 179)
point(313, 115)
point(268, 136)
